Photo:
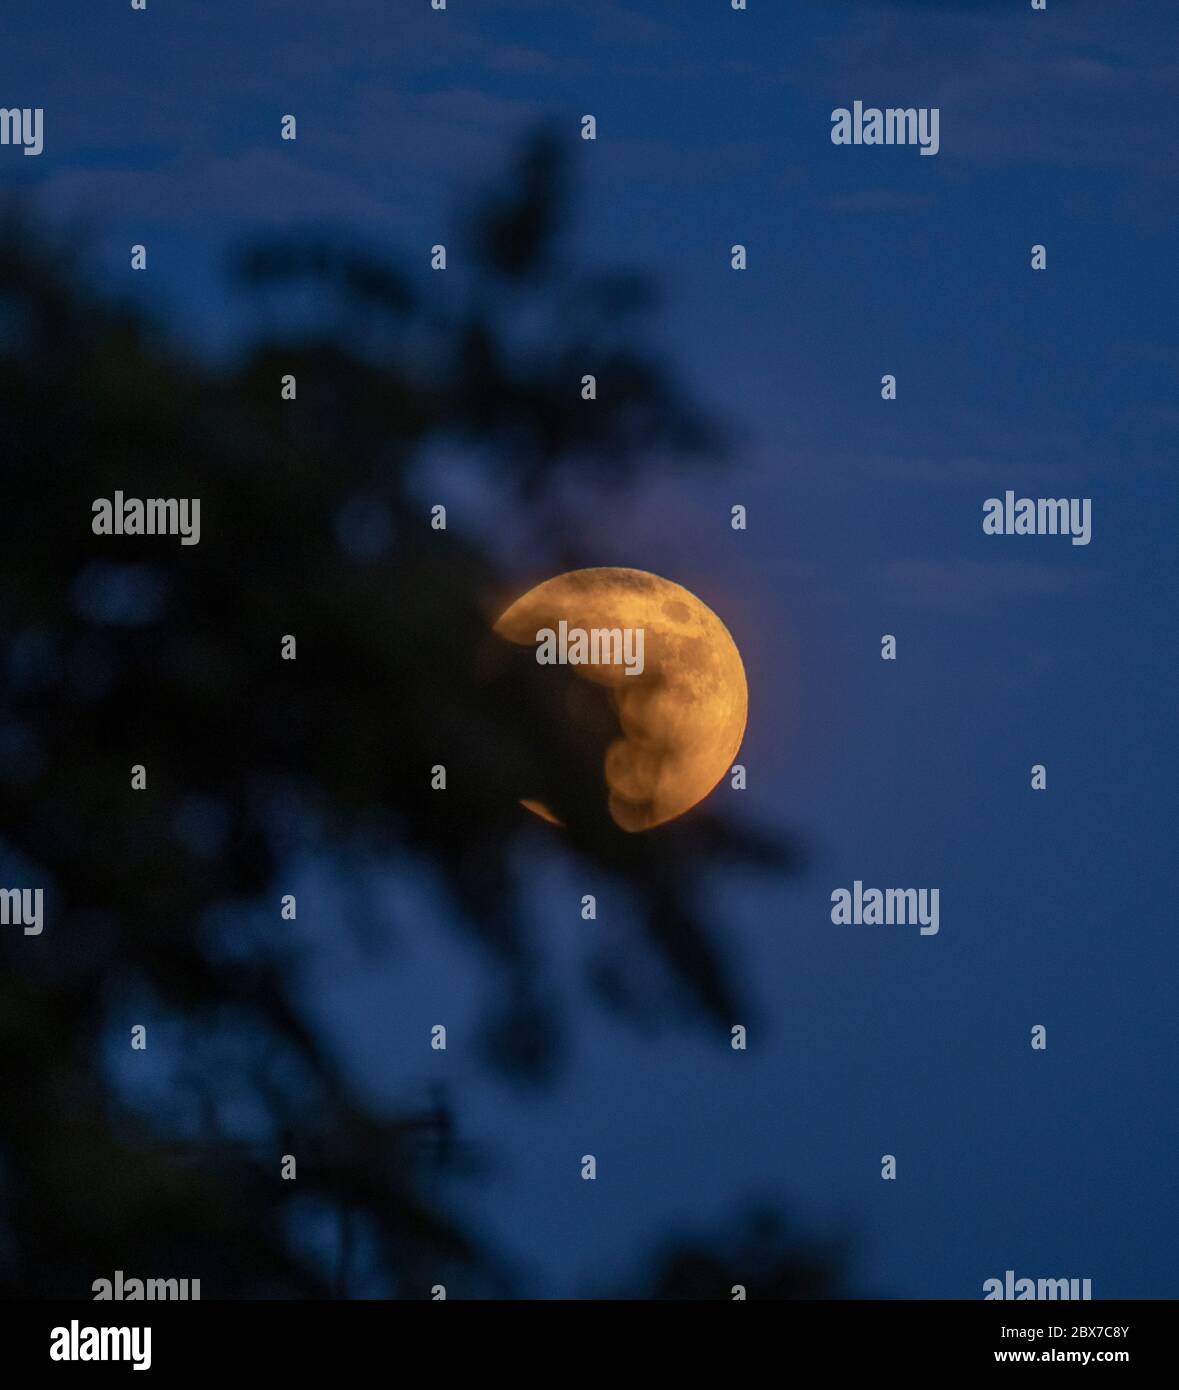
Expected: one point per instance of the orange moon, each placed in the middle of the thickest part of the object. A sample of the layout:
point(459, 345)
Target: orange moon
point(682, 718)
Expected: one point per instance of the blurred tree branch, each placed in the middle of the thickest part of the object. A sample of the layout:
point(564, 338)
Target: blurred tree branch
point(118, 651)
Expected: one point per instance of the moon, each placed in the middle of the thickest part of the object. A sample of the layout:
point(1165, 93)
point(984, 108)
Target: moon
point(682, 718)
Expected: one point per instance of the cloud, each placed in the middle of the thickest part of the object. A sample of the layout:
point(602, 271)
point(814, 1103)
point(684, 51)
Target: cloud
point(356, 168)
point(261, 185)
point(1096, 92)
point(972, 586)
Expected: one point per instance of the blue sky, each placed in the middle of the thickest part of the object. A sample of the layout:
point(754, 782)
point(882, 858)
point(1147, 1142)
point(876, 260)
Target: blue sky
point(864, 518)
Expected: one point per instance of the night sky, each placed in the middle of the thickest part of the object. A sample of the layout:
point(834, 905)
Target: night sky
point(864, 519)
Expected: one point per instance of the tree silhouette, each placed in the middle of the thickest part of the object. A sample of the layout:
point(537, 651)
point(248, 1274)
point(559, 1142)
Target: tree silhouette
point(119, 651)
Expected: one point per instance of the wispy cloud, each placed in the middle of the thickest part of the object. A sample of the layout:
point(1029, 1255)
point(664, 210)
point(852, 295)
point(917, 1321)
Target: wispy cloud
point(973, 586)
point(1093, 87)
